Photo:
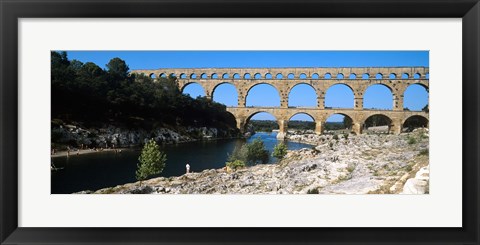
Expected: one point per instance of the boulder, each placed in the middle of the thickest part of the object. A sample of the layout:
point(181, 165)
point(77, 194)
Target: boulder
point(423, 174)
point(141, 190)
point(415, 186)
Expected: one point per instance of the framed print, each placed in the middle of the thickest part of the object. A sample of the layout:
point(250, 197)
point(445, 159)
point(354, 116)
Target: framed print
point(276, 121)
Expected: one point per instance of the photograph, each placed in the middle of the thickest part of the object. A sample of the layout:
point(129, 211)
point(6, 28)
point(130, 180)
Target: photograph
point(239, 122)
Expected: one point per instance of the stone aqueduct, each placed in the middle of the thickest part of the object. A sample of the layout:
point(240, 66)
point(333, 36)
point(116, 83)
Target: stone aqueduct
point(396, 79)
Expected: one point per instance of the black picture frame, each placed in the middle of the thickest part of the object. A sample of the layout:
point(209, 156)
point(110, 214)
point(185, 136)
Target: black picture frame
point(11, 11)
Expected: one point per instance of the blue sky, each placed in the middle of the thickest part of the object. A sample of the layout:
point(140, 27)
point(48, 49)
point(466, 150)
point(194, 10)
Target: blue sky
point(377, 96)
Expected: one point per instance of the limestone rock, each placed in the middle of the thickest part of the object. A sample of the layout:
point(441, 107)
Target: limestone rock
point(109, 136)
point(358, 164)
point(423, 174)
point(415, 186)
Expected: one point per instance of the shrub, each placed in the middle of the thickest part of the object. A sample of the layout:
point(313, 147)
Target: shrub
point(239, 153)
point(335, 137)
point(345, 136)
point(279, 151)
point(351, 167)
point(151, 161)
point(250, 153)
point(313, 191)
point(424, 152)
point(236, 164)
point(257, 152)
point(411, 141)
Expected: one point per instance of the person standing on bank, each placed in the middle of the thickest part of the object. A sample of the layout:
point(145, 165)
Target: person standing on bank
point(188, 168)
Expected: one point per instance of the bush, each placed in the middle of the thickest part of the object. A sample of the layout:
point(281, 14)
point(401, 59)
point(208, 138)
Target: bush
point(236, 164)
point(313, 191)
point(239, 153)
point(279, 151)
point(257, 152)
point(345, 136)
point(335, 137)
point(411, 141)
point(250, 153)
point(151, 161)
point(424, 152)
point(351, 167)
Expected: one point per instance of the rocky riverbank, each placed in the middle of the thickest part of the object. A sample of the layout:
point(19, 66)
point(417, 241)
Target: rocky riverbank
point(374, 164)
point(108, 136)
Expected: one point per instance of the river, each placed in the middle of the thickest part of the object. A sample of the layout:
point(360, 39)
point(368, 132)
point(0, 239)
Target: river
point(105, 169)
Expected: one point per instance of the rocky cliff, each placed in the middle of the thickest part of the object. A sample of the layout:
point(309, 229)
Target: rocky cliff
point(109, 135)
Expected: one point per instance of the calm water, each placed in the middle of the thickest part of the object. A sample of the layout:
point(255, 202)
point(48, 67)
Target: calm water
point(104, 169)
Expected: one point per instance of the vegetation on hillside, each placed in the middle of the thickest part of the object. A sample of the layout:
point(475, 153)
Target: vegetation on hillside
point(263, 125)
point(87, 93)
point(269, 125)
point(373, 121)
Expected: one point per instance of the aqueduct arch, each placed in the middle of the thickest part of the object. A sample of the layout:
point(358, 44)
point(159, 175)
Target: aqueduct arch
point(320, 78)
point(390, 123)
point(270, 86)
point(317, 98)
point(391, 92)
point(297, 113)
point(224, 83)
point(247, 120)
point(356, 101)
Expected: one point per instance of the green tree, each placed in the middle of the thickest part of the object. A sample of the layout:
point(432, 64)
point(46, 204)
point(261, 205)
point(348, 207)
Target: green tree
point(279, 151)
point(151, 161)
point(239, 153)
point(257, 152)
point(76, 65)
point(63, 83)
point(251, 153)
point(142, 78)
point(118, 68)
point(90, 94)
